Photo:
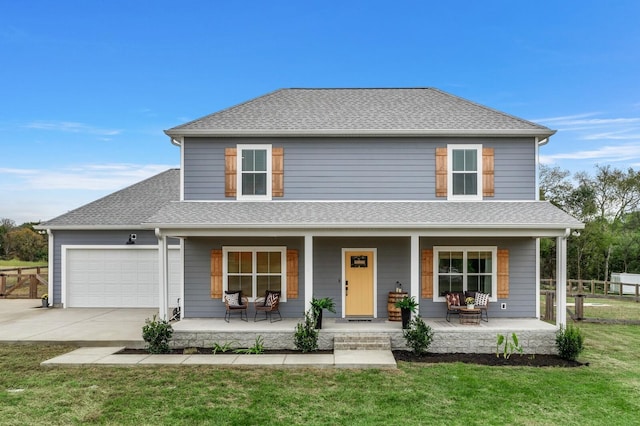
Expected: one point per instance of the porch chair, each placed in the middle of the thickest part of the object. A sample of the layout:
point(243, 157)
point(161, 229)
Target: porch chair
point(234, 302)
point(482, 303)
point(453, 304)
point(269, 304)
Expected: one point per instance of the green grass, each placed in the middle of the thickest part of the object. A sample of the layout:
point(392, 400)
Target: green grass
point(606, 309)
point(452, 394)
point(15, 263)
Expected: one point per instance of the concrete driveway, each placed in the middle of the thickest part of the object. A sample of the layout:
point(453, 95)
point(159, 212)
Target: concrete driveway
point(24, 320)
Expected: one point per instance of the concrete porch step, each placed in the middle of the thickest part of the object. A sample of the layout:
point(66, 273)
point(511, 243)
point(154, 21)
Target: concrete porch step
point(361, 341)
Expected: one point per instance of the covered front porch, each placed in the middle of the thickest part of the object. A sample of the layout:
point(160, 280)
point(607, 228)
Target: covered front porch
point(535, 336)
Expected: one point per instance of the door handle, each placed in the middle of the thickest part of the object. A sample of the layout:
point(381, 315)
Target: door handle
point(346, 288)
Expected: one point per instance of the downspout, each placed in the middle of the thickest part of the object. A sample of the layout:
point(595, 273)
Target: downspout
point(180, 143)
point(50, 262)
point(538, 143)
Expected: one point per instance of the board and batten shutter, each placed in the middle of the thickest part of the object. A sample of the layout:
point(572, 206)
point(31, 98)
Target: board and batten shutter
point(230, 172)
point(441, 172)
point(216, 274)
point(277, 172)
point(503, 274)
point(292, 274)
point(427, 274)
point(488, 173)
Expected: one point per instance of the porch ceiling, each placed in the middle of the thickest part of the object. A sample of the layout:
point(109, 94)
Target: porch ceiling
point(517, 218)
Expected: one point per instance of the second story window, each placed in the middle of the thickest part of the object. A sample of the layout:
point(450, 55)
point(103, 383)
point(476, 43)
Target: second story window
point(465, 178)
point(254, 172)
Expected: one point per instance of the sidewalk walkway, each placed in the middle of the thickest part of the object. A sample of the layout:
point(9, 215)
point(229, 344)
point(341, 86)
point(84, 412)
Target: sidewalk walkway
point(106, 356)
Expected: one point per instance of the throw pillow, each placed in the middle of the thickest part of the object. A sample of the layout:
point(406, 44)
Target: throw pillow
point(482, 299)
point(453, 299)
point(233, 298)
point(272, 298)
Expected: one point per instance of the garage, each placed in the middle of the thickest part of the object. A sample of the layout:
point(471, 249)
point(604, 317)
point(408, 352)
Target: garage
point(118, 277)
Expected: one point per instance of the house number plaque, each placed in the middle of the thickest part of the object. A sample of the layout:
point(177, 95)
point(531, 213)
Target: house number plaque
point(359, 261)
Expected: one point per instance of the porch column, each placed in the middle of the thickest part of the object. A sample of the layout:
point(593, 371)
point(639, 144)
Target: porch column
point(308, 271)
point(163, 276)
point(415, 268)
point(561, 280)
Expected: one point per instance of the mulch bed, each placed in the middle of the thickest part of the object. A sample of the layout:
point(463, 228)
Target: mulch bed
point(408, 356)
point(488, 359)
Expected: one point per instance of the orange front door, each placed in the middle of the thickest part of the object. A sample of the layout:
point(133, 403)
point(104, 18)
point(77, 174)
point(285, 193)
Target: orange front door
point(358, 276)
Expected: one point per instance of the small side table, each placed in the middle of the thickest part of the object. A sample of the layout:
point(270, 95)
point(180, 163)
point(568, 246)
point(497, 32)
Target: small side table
point(469, 316)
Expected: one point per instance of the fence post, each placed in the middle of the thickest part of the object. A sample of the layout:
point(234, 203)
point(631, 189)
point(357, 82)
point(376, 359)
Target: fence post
point(3, 285)
point(579, 299)
point(549, 303)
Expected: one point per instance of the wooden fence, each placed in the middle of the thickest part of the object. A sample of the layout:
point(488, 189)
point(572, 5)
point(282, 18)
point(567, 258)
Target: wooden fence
point(582, 289)
point(17, 278)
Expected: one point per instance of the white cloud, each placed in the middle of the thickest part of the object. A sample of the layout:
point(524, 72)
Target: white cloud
point(71, 127)
point(93, 177)
point(603, 154)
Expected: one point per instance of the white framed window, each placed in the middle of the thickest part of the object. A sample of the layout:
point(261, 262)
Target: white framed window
point(254, 270)
point(254, 172)
point(464, 180)
point(462, 268)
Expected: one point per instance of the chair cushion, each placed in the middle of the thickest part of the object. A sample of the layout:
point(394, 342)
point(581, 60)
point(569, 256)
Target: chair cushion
point(271, 298)
point(453, 299)
point(233, 298)
point(482, 299)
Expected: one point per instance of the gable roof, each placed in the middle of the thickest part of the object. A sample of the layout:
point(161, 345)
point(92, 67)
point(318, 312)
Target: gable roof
point(126, 208)
point(359, 112)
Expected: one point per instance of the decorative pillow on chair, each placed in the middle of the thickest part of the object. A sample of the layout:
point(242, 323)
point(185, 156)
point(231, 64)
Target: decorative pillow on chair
point(453, 299)
point(233, 298)
point(482, 299)
point(271, 298)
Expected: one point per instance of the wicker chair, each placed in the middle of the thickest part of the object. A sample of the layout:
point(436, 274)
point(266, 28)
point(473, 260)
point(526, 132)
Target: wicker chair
point(453, 304)
point(242, 309)
point(269, 304)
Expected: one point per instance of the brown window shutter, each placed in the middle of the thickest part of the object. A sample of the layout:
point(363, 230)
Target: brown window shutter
point(441, 172)
point(427, 274)
point(277, 172)
point(230, 172)
point(503, 274)
point(488, 172)
point(292, 274)
point(216, 274)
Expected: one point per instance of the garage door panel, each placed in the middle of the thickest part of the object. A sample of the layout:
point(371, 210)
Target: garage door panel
point(123, 277)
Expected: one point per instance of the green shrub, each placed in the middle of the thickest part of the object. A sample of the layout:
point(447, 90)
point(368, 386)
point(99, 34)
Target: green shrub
point(157, 334)
point(222, 348)
point(418, 336)
point(569, 341)
point(306, 335)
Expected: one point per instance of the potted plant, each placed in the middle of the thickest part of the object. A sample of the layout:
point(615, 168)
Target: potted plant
point(45, 300)
point(407, 305)
point(470, 301)
point(318, 305)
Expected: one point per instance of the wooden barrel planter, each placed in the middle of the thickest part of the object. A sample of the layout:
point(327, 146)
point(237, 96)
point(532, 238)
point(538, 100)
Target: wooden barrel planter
point(394, 313)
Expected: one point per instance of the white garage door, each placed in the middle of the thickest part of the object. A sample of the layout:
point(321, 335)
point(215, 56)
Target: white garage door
point(117, 277)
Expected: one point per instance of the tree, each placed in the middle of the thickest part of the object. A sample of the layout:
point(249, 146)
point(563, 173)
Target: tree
point(6, 225)
point(25, 244)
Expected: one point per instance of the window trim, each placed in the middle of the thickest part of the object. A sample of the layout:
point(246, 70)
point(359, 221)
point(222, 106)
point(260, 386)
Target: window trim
point(269, 175)
point(465, 249)
point(254, 274)
point(479, 172)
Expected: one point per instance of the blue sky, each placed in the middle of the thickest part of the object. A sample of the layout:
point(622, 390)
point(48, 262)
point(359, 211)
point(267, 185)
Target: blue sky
point(87, 87)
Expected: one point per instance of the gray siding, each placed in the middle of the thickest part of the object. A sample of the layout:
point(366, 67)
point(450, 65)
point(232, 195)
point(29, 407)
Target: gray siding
point(107, 238)
point(393, 265)
point(197, 275)
point(522, 279)
point(359, 169)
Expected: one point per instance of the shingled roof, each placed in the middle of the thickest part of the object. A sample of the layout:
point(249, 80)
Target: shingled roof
point(126, 208)
point(353, 112)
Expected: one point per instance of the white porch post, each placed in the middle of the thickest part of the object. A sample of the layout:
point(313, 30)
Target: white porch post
point(163, 276)
point(308, 271)
point(561, 280)
point(415, 267)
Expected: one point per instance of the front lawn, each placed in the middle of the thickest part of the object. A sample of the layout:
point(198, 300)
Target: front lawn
point(603, 393)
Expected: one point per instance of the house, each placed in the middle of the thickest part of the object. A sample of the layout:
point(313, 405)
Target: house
point(340, 193)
